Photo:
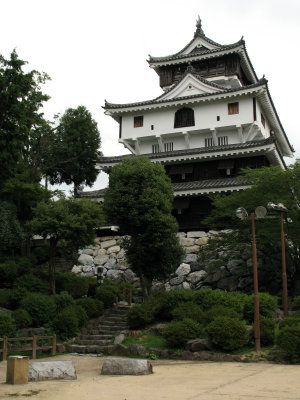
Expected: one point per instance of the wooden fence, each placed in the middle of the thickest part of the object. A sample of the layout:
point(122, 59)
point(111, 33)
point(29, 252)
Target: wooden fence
point(6, 348)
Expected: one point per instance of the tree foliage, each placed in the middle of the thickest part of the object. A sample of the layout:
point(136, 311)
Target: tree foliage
point(75, 148)
point(139, 199)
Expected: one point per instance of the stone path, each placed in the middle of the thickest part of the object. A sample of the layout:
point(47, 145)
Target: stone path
point(99, 335)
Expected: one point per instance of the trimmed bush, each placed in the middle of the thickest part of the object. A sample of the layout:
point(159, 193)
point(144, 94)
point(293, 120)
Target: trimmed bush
point(63, 300)
point(76, 286)
point(267, 331)
point(33, 283)
point(288, 340)
point(107, 295)
point(143, 314)
point(93, 307)
point(227, 333)
point(66, 323)
point(177, 333)
point(22, 318)
point(41, 308)
point(289, 321)
point(296, 303)
point(81, 315)
point(188, 310)
point(220, 311)
point(7, 325)
point(11, 298)
point(172, 299)
point(8, 273)
point(267, 306)
point(209, 298)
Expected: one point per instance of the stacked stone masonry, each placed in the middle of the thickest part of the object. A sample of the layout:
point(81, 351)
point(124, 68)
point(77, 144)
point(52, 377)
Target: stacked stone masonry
point(192, 273)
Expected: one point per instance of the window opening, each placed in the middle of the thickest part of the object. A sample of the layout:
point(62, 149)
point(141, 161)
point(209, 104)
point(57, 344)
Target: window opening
point(184, 117)
point(138, 122)
point(222, 140)
point(233, 108)
point(168, 146)
point(209, 142)
point(155, 148)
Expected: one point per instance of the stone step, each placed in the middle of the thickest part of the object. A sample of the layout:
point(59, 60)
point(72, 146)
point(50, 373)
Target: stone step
point(115, 319)
point(113, 323)
point(96, 337)
point(94, 342)
point(105, 331)
point(82, 349)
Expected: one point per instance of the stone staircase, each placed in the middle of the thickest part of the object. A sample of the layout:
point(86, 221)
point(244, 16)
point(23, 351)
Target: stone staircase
point(98, 336)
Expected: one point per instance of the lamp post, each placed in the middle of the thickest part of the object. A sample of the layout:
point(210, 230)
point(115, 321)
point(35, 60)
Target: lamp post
point(260, 212)
point(282, 209)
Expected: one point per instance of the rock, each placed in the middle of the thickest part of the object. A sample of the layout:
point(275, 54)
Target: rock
point(101, 260)
point(198, 234)
point(203, 356)
point(119, 338)
point(192, 249)
point(111, 262)
point(122, 265)
point(186, 241)
point(76, 269)
point(108, 243)
point(87, 268)
point(115, 275)
point(167, 287)
point(137, 350)
point(180, 234)
point(90, 252)
point(49, 370)
point(120, 350)
point(85, 259)
point(121, 254)
point(187, 355)
point(189, 258)
point(202, 241)
point(101, 252)
point(234, 265)
point(195, 277)
point(60, 348)
point(195, 266)
point(177, 280)
point(186, 285)
point(183, 269)
point(126, 366)
point(230, 283)
point(198, 345)
point(113, 249)
point(213, 233)
point(129, 276)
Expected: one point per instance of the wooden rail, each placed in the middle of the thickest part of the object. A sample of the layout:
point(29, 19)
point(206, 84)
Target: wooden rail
point(33, 348)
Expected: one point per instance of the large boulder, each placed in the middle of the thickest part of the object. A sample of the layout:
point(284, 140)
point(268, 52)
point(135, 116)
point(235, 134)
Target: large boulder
point(183, 269)
point(108, 243)
point(101, 259)
point(85, 259)
point(195, 277)
point(198, 345)
point(126, 366)
point(115, 275)
point(51, 370)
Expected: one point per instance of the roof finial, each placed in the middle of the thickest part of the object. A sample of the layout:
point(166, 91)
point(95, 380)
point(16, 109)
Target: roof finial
point(199, 30)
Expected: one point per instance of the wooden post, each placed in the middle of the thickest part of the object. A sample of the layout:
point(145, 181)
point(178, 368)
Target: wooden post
point(4, 348)
point(284, 278)
point(255, 280)
point(34, 343)
point(53, 351)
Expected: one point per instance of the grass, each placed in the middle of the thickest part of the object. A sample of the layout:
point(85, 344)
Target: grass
point(147, 339)
point(29, 394)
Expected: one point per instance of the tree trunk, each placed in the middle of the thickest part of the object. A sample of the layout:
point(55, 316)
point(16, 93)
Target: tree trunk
point(53, 242)
point(146, 285)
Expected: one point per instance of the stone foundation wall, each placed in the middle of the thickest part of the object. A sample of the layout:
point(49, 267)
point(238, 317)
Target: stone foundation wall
point(193, 273)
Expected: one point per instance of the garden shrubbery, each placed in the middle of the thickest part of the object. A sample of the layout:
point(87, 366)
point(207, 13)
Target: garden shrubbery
point(7, 325)
point(22, 318)
point(288, 340)
point(177, 333)
point(188, 310)
point(40, 307)
point(227, 333)
point(267, 306)
point(93, 307)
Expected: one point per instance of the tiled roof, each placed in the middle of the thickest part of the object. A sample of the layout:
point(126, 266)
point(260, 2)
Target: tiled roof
point(157, 100)
point(92, 193)
point(200, 150)
point(210, 184)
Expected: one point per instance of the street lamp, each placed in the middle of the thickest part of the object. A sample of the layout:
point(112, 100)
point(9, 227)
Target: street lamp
point(282, 209)
point(260, 212)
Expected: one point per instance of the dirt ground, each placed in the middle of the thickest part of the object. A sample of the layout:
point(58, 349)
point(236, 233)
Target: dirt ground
point(171, 380)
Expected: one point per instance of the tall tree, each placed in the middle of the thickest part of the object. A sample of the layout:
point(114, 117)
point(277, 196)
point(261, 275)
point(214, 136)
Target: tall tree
point(75, 149)
point(139, 199)
point(69, 220)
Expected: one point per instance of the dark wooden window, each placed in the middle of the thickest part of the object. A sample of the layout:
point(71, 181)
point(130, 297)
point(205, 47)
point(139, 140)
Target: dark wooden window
point(120, 128)
point(138, 122)
point(233, 108)
point(184, 117)
point(263, 122)
point(209, 142)
point(222, 140)
point(254, 109)
point(168, 146)
point(155, 148)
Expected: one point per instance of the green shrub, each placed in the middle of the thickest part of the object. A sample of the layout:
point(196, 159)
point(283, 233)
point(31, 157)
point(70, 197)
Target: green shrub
point(170, 300)
point(267, 331)
point(267, 306)
point(188, 310)
point(113, 286)
point(11, 298)
point(24, 264)
point(288, 340)
point(208, 298)
point(22, 318)
point(76, 286)
point(107, 295)
point(33, 283)
point(296, 303)
point(227, 333)
point(66, 323)
point(141, 315)
point(220, 311)
point(41, 308)
point(8, 273)
point(93, 307)
point(81, 315)
point(289, 321)
point(177, 333)
point(63, 300)
point(7, 325)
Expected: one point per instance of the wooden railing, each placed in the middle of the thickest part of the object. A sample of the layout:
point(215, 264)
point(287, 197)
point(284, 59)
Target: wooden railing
point(33, 348)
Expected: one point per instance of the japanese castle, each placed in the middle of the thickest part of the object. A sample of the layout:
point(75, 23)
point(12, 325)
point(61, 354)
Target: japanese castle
point(213, 118)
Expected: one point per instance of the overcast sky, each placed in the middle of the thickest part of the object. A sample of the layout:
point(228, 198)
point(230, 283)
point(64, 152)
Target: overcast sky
point(95, 50)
